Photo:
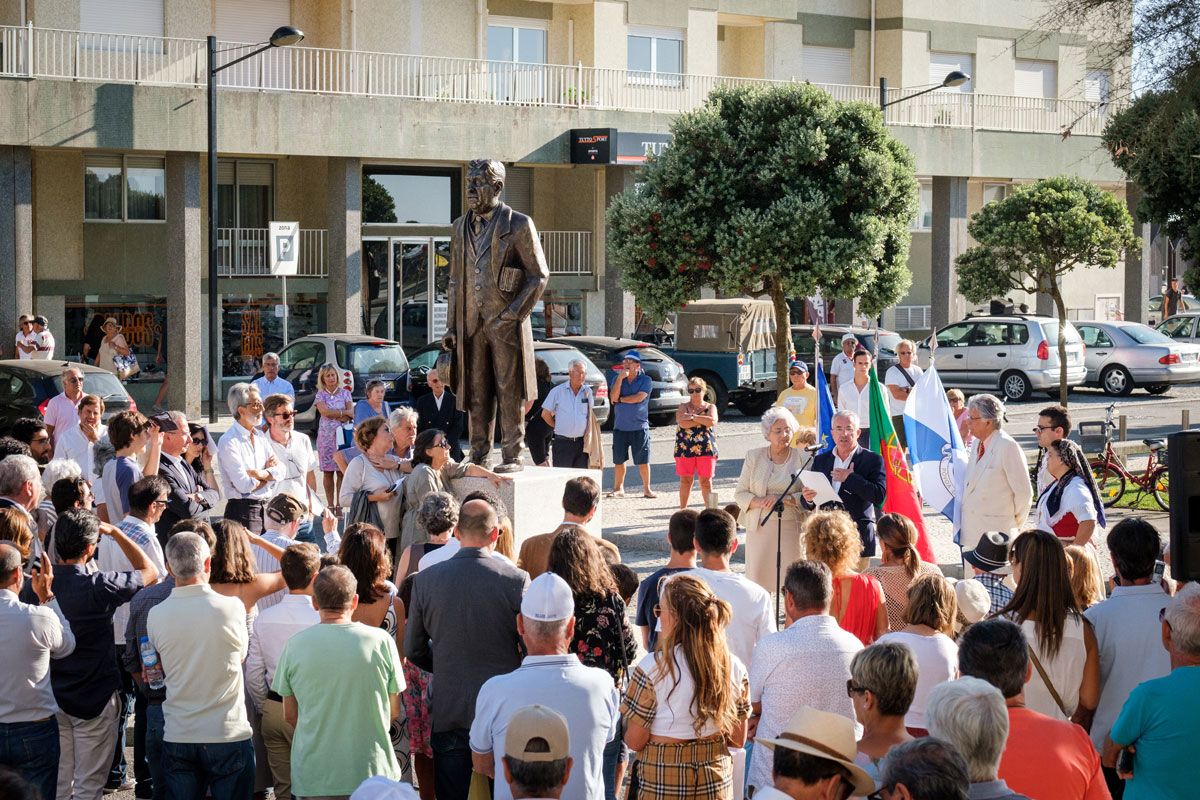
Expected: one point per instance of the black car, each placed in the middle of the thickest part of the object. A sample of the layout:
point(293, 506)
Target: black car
point(27, 385)
point(558, 357)
point(357, 358)
point(667, 379)
point(831, 345)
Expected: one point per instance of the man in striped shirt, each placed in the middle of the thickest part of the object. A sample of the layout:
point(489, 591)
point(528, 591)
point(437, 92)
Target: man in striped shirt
point(281, 520)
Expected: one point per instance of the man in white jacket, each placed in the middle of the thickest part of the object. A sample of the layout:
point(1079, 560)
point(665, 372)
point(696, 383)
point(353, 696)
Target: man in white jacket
point(997, 491)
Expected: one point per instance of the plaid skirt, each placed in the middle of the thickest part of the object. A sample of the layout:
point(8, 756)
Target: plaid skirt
point(700, 769)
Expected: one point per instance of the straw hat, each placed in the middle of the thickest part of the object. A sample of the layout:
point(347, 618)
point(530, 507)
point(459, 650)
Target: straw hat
point(824, 735)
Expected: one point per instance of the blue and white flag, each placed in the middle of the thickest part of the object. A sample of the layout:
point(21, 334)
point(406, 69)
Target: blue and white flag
point(935, 447)
point(824, 409)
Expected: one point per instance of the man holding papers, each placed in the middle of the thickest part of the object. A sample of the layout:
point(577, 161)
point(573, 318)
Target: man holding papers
point(856, 475)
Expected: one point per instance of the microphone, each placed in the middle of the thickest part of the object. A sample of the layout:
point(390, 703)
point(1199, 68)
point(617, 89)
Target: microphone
point(812, 448)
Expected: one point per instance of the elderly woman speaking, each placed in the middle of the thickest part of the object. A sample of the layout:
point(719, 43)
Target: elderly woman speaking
point(766, 473)
point(997, 491)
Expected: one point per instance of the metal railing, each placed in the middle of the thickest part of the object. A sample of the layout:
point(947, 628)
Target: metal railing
point(567, 252)
point(243, 253)
point(117, 58)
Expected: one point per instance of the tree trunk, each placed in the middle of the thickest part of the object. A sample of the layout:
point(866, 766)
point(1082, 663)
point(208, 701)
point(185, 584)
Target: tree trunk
point(783, 335)
point(1056, 295)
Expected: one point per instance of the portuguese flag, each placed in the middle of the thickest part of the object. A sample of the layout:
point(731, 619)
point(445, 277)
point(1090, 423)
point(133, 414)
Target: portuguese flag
point(901, 493)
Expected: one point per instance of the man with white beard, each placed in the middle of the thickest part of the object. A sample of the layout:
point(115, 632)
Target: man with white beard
point(246, 461)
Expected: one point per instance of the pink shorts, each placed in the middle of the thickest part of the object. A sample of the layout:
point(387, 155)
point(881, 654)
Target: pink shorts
point(695, 465)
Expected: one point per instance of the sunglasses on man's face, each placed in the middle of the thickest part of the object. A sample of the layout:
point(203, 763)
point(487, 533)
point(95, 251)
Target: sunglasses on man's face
point(285, 415)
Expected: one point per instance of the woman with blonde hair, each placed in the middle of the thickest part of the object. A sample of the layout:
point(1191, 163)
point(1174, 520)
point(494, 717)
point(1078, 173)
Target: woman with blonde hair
point(766, 473)
point(897, 537)
point(695, 442)
point(1061, 641)
point(858, 602)
point(688, 702)
point(930, 616)
point(14, 527)
point(1086, 583)
point(335, 404)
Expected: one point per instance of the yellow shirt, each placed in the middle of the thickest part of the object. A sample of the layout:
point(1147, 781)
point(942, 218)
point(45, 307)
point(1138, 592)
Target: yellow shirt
point(803, 405)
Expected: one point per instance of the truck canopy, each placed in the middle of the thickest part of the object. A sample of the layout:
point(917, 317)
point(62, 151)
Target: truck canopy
point(725, 326)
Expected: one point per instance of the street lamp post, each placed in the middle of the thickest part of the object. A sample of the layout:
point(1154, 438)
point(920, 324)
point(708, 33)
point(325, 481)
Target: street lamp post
point(282, 37)
point(954, 78)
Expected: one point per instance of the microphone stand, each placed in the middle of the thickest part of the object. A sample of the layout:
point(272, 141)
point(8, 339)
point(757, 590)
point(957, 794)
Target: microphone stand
point(777, 510)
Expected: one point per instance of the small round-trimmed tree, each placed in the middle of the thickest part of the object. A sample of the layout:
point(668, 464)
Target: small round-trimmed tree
point(1029, 240)
point(775, 190)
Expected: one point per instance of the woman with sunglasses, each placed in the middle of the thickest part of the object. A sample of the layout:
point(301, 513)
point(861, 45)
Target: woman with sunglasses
point(200, 456)
point(432, 469)
point(695, 442)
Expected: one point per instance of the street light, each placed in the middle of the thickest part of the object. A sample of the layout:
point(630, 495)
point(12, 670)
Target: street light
point(282, 37)
point(953, 78)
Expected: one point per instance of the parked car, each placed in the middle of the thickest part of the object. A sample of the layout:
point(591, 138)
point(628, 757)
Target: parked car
point(26, 387)
point(831, 345)
point(558, 357)
point(358, 359)
point(668, 381)
point(1121, 356)
point(1186, 303)
point(1016, 354)
point(1182, 327)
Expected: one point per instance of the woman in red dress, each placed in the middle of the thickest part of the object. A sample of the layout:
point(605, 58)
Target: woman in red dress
point(1070, 508)
point(858, 602)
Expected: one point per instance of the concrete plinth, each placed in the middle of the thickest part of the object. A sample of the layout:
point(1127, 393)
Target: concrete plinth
point(533, 498)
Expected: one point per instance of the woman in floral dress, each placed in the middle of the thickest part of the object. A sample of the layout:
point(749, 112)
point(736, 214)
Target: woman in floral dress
point(336, 407)
point(695, 443)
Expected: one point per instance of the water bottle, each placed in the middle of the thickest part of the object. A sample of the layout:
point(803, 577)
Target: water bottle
point(153, 669)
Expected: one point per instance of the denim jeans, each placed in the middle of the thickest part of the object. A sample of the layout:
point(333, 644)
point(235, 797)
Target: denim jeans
point(612, 755)
point(31, 748)
point(307, 532)
point(119, 769)
point(154, 750)
point(451, 764)
point(225, 769)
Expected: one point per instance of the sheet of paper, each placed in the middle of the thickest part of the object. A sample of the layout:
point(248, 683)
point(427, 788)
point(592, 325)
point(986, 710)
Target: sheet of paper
point(821, 485)
point(398, 485)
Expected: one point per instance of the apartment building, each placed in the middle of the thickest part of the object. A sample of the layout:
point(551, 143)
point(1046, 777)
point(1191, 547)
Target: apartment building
point(361, 133)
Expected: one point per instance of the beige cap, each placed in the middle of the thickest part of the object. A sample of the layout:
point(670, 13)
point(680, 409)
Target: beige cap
point(537, 722)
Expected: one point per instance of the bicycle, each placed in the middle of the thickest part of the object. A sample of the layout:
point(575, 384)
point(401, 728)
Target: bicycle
point(1111, 474)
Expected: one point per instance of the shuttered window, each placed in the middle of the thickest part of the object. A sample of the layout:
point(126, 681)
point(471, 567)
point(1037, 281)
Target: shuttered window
point(1097, 87)
point(942, 64)
point(1036, 79)
point(827, 64)
point(245, 193)
point(133, 17)
point(518, 189)
point(251, 22)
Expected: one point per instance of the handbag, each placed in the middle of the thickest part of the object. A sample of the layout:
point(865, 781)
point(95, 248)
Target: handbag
point(127, 366)
point(363, 510)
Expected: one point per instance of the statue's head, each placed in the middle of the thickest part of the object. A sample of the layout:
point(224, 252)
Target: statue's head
point(485, 182)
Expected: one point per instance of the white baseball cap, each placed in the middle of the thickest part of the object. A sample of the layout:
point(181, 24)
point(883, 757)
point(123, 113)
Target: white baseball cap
point(548, 599)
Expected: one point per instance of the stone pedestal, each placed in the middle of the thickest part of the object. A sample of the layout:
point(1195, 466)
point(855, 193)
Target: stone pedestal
point(533, 498)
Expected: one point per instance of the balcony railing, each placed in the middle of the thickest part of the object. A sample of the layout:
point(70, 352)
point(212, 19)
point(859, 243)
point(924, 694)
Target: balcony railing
point(116, 58)
point(568, 252)
point(243, 253)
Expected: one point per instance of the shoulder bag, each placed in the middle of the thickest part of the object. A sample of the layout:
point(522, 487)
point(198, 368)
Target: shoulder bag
point(1046, 680)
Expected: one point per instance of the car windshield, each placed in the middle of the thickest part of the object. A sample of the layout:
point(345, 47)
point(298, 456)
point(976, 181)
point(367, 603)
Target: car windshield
point(376, 359)
point(102, 384)
point(1144, 335)
point(888, 341)
point(1051, 329)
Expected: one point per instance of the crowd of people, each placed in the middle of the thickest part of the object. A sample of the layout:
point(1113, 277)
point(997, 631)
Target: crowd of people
point(370, 635)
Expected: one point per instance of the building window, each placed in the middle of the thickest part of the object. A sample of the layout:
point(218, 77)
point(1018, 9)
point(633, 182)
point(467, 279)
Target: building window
point(942, 64)
point(1035, 79)
point(245, 193)
point(411, 196)
point(827, 65)
point(1097, 86)
point(655, 56)
point(124, 188)
point(924, 218)
point(121, 25)
point(516, 51)
point(994, 191)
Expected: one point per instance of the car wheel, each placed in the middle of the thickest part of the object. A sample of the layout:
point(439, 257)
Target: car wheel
point(1116, 381)
point(714, 391)
point(1158, 388)
point(1015, 386)
point(755, 405)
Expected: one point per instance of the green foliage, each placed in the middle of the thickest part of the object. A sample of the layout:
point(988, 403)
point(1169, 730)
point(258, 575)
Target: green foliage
point(1155, 142)
point(769, 190)
point(1032, 238)
point(377, 202)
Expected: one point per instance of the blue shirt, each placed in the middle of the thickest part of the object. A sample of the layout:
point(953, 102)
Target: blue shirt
point(363, 410)
point(647, 599)
point(1161, 719)
point(631, 416)
point(267, 388)
point(84, 681)
point(570, 409)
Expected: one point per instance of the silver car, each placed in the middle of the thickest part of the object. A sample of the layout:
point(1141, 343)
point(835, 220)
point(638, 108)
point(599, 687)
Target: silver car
point(1016, 354)
point(1183, 328)
point(1122, 356)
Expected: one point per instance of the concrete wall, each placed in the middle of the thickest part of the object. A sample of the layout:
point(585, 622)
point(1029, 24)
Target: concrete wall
point(58, 214)
point(1072, 70)
point(609, 30)
point(564, 198)
point(995, 66)
point(191, 19)
point(783, 48)
point(301, 188)
point(743, 52)
point(701, 46)
point(443, 28)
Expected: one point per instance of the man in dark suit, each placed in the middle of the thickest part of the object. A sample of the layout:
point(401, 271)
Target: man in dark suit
point(190, 497)
point(468, 606)
point(439, 409)
point(857, 476)
point(497, 274)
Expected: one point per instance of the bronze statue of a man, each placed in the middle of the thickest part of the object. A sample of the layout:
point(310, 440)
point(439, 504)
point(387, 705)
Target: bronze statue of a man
point(497, 274)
